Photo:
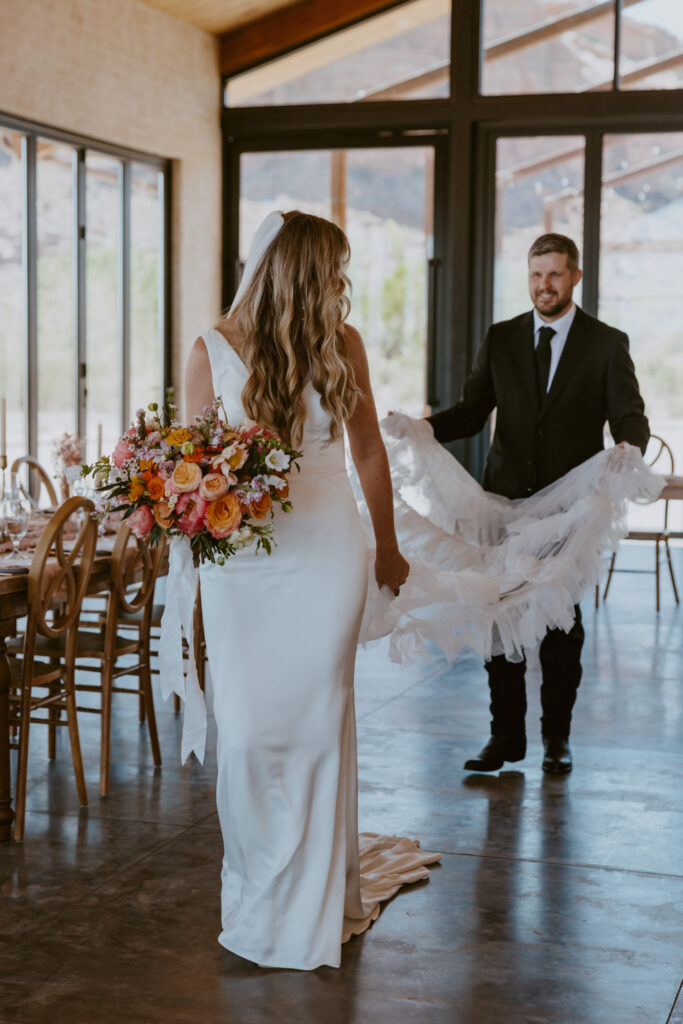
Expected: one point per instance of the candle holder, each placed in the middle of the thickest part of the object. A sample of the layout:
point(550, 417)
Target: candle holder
point(3, 463)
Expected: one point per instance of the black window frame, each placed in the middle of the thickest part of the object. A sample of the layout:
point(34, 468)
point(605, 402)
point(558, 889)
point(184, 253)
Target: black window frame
point(470, 122)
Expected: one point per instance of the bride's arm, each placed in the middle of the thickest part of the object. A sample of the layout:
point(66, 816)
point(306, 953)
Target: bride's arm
point(198, 383)
point(370, 459)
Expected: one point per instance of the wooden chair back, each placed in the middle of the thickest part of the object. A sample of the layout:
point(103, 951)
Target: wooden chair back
point(42, 477)
point(135, 566)
point(60, 571)
point(659, 456)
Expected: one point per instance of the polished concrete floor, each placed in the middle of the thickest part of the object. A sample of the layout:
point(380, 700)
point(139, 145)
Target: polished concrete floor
point(558, 901)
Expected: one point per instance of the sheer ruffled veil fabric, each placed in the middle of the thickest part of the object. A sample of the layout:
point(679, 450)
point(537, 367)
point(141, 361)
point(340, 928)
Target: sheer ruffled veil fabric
point(486, 571)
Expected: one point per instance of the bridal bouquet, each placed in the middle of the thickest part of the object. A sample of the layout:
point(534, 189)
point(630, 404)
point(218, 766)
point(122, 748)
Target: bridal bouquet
point(210, 482)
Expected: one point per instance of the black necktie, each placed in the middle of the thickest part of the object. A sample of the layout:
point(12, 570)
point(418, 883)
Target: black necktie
point(543, 360)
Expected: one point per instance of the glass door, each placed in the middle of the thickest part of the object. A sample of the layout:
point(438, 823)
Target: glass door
point(383, 198)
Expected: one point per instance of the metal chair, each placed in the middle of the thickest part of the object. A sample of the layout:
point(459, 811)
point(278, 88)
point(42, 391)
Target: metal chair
point(658, 453)
point(42, 477)
point(57, 580)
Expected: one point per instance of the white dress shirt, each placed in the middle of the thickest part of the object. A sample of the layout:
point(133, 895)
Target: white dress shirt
point(561, 328)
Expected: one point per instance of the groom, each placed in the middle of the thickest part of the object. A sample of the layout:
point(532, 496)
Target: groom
point(554, 375)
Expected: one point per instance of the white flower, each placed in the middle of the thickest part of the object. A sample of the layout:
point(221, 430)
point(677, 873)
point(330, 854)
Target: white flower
point(277, 459)
point(277, 481)
point(243, 537)
point(231, 458)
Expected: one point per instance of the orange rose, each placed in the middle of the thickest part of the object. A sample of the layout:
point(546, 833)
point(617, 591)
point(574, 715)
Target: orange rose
point(136, 489)
point(187, 476)
point(259, 507)
point(213, 486)
point(196, 456)
point(156, 488)
point(223, 516)
point(162, 513)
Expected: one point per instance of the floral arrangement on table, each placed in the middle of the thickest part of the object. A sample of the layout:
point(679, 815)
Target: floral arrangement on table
point(67, 451)
point(210, 482)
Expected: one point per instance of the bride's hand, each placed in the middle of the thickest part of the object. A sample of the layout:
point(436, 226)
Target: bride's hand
point(391, 569)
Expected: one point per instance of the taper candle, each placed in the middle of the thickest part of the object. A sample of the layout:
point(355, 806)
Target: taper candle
point(99, 440)
point(3, 426)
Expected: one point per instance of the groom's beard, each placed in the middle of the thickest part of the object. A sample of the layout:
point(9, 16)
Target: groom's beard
point(552, 305)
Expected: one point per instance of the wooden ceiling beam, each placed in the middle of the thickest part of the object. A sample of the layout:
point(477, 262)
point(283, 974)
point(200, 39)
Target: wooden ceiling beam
point(292, 26)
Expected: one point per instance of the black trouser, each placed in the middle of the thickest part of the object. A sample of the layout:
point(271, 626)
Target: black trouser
point(560, 655)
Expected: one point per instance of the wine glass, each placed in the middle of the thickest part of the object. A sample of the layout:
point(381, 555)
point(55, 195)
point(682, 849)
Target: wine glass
point(16, 517)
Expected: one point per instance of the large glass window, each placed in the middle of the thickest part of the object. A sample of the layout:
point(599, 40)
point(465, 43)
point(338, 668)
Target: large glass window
point(12, 366)
point(641, 267)
point(546, 46)
point(383, 198)
point(103, 334)
point(401, 54)
point(146, 227)
point(57, 373)
point(75, 308)
point(539, 188)
point(651, 50)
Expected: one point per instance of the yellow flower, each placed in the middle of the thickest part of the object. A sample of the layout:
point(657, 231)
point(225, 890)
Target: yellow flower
point(178, 436)
point(136, 489)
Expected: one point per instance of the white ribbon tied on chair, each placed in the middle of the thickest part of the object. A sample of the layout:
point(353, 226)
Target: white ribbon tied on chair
point(178, 619)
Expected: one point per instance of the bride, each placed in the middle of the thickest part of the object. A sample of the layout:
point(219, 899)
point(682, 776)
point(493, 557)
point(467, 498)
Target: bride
point(281, 632)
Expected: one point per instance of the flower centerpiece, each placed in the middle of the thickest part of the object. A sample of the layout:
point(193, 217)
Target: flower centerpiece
point(210, 482)
point(68, 453)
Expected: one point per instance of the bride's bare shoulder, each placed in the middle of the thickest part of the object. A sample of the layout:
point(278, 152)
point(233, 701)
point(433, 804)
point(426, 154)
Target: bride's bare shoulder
point(354, 343)
point(355, 348)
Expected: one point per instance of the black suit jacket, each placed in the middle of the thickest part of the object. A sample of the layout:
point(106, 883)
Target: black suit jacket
point(536, 442)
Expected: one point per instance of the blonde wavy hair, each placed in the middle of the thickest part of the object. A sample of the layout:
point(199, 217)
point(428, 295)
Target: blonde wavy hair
point(291, 321)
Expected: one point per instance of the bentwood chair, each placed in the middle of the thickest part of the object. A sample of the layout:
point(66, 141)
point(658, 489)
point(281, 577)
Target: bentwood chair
point(42, 478)
point(658, 454)
point(57, 580)
point(135, 566)
point(128, 621)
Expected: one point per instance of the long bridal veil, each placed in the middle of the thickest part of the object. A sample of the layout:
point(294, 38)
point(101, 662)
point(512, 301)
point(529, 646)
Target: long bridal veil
point(486, 571)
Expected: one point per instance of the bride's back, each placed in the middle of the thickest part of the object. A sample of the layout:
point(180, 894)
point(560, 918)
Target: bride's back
point(287, 329)
point(230, 374)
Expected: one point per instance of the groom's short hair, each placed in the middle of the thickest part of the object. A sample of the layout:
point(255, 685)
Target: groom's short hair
point(556, 243)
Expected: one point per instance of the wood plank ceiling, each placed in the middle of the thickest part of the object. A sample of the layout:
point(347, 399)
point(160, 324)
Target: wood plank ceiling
point(253, 31)
point(218, 16)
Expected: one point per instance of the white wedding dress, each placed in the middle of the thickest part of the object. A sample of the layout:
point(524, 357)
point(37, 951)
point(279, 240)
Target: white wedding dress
point(281, 636)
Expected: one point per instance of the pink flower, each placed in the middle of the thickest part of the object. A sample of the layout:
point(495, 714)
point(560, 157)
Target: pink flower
point(190, 510)
point(141, 521)
point(213, 486)
point(249, 429)
point(170, 487)
point(122, 453)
